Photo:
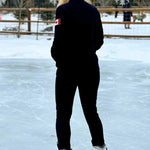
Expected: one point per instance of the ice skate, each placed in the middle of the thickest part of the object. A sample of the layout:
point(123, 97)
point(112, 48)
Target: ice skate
point(100, 147)
point(65, 149)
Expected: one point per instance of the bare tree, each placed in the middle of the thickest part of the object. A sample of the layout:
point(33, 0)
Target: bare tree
point(104, 3)
point(146, 2)
point(30, 3)
point(20, 4)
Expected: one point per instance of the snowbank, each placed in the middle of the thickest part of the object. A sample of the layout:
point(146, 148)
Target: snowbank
point(113, 49)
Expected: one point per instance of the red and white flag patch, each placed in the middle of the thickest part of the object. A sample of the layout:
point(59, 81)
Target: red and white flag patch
point(58, 21)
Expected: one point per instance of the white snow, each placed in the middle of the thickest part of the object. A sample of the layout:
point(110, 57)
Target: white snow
point(27, 100)
point(29, 47)
point(119, 29)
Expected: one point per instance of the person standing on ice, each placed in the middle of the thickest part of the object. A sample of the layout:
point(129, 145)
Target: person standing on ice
point(78, 35)
point(127, 14)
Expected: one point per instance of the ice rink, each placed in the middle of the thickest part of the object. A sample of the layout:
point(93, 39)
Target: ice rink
point(27, 100)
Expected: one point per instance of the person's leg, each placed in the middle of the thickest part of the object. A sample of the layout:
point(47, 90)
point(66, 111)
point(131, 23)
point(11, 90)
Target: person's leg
point(88, 86)
point(128, 25)
point(65, 90)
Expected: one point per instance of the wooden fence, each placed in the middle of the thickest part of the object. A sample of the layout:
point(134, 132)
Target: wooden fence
point(110, 22)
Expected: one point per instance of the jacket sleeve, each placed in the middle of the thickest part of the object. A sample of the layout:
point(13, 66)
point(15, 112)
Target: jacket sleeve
point(56, 46)
point(98, 33)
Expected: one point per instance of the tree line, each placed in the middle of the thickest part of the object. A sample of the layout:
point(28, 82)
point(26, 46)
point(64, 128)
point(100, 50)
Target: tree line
point(30, 4)
point(47, 4)
point(53, 3)
point(111, 3)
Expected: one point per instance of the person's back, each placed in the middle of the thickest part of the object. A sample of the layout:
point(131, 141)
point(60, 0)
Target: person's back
point(79, 35)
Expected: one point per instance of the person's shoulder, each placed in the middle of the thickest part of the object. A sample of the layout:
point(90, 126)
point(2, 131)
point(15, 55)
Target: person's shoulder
point(91, 7)
point(95, 11)
point(61, 8)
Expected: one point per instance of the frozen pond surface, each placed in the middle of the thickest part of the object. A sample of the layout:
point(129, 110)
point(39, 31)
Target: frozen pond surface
point(27, 106)
point(27, 100)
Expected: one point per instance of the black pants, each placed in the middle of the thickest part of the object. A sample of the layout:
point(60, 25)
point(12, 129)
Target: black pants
point(87, 81)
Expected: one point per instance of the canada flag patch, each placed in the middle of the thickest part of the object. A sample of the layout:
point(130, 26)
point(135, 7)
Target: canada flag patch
point(58, 21)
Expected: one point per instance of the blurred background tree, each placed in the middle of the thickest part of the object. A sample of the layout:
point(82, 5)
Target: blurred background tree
point(97, 3)
point(47, 15)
